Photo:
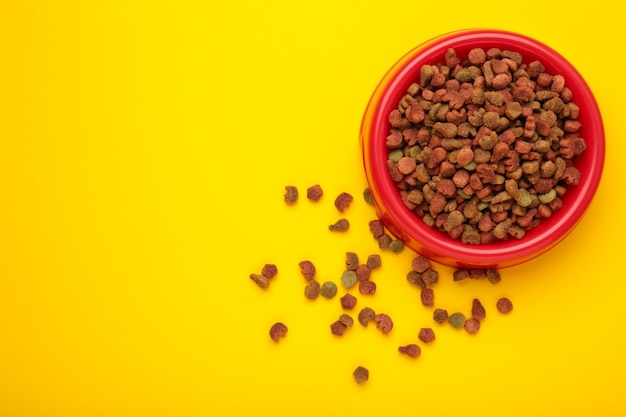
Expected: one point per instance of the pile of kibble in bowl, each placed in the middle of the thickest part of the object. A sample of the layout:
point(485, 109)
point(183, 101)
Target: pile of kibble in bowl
point(356, 284)
point(483, 147)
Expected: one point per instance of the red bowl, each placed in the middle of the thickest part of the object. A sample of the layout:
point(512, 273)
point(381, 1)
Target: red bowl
point(434, 244)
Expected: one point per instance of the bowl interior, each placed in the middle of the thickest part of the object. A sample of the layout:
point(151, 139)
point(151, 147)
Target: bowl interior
point(435, 244)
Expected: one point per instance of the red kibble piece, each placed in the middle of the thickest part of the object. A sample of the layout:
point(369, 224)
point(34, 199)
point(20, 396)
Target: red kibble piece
point(377, 228)
point(472, 325)
point(277, 331)
point(504, 305)
point(428, 297)
point(363, 272)
point(307, 269)
point(412, 350)
point(367, 287)
point(361, 374)
point(426, 335)
point(420, 264)
point(440, 315)
point(374, 261)
point(342, 201)
point(338, 328)
point(314, 192)
point(383, 322)
point(269, 271)
point(348, 301)
point(478, 310)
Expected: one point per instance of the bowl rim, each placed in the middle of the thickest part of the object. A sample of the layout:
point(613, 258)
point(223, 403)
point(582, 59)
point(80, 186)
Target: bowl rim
point(432, 243)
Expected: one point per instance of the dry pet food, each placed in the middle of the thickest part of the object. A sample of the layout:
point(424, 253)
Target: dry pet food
point(277, 331)
point(260, 280)
point(314, 192)
point(374, 261)
point(412, 350)
point(312, 289)
point(348, 301)
point(366, 315)
point(307, 269)
point(269, 270)
point(457, 320)
point(361, 374)
point(396, 246)
point(340, 225)
point(376, 228)
point(440, 315)
point(338, 328)
point(384, 241)
point(363, 272)
point(329, 289)
point(346, 319)
point(472, 325)
point(367, 287)
point(383, 322)
point(504, 305)
point(367, 196)
point(493, 276)
point(428, 297)
point(352, 261)
point(426, 335)
point(478, 310)
point(291, 194)
point(483, 147)
point(342, 201)
point(420, 264)
point(348, 278)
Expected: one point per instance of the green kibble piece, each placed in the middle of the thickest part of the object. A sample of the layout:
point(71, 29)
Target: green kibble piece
point(482, 205)
point(396, 246)
point(414, 151)
point(348, 278)
point(396, 154)
point(463, 194)
point(524, 199)
point(367, 196)
point(471, 166)
point(547, 197)
point(329, 289)
point(464, 76)
point(457, 320)
point(432, 113)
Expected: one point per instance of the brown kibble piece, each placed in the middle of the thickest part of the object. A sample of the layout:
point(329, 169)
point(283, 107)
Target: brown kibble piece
point(363, 272)
point(312, 289)
point(377, 228)
point(367, 287)
point(260, 280)
point(346, 319)
point(348, 301)
point(374, 261)
point(428, 297)
point(430, 277)
point(352, 261)
point(412, 350)
point(342, 201)
point(277, 331)
point(338, 328)
point(472, 325)
point(314, 192)
point(307, 269)
point(426, 335)
point(269, 270)
point(384, 241)
point(478, 310)
point(361, 374)
point(366, 315)
point(340, 225)
point(420, 264)
point(493, 276)
point(383, 322)
point(440, 315)
point(504, 305)
point(291, 194)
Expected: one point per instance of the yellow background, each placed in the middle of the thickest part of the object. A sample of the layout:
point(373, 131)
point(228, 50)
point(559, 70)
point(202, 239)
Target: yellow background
point(144, 150)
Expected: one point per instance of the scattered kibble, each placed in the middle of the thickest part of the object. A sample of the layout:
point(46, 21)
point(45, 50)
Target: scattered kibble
point(412, 350)
point(420, 264)
point(374, 261)
point(363, 272)
point(314, 192)
point(352, 261)
point(312, 289)
point(396, 246)
point(277, 331)
point(340, 225)
point(376, 228)
point(342, 201)
point(383, 322)
point(361, 374)
point(478, 310)
point(504, 305)
point(415, 278)
point(348, 278)
point(269, 271)
point(307, 269)
point(472, 325)
point(430, 277)
point(367, 196)
point(440, 315)
point(367, 287)
point(427, 296)
point(260, 280)
point(384, 241)
point(329, 289)
point(291, 194)
point(426, 335)
point(493, 276)
point(348, 301)
point(460, 274)
point(457, 320)
point(338, 328)
point(366, 315)
point(346, 319)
